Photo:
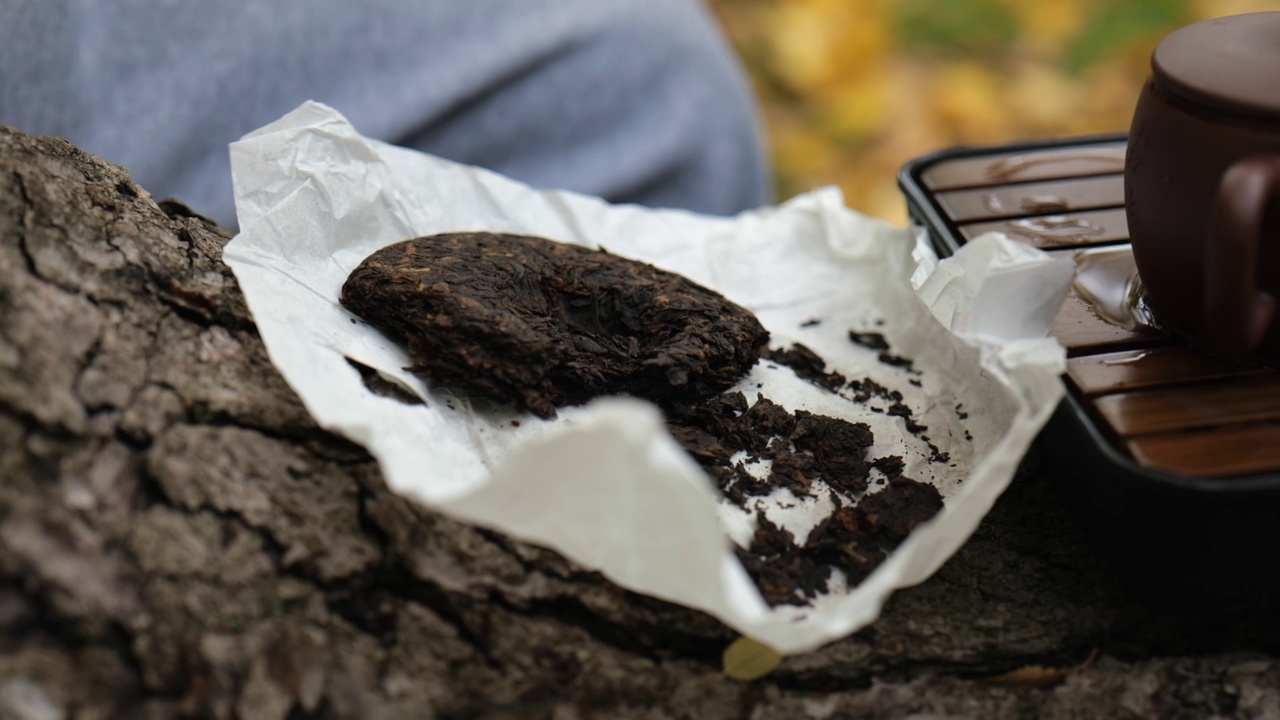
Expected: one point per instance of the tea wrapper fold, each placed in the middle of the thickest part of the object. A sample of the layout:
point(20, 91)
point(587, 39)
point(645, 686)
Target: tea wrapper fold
point(605, 484)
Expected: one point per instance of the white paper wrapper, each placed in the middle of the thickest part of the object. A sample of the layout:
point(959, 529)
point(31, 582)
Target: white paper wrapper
point(604, 484)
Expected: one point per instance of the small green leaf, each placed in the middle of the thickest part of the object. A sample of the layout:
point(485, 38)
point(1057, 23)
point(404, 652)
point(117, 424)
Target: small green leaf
point(748, 660)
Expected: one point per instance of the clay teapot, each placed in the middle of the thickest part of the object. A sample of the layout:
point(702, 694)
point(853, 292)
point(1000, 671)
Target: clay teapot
point(1202, 184)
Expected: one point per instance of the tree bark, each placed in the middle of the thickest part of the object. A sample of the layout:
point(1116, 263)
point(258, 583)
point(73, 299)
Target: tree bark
point(179, 539)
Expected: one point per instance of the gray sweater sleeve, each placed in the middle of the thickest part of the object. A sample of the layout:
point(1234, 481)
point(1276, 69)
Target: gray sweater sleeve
point(633, 100)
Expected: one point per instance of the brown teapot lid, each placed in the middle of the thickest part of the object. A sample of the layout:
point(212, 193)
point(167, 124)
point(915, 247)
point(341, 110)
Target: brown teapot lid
point(1230, 63)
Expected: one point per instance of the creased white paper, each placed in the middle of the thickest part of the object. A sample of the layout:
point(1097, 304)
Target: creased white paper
point(604, 484)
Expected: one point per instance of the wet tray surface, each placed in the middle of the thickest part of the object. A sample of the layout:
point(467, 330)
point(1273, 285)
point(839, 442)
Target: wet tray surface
point(1170, 457)
point(1161, 404)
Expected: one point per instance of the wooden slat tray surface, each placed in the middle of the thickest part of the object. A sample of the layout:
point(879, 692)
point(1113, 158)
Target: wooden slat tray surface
point(1105, 158)
point(1085, 228)
point(1031, 199)
point(1166, 404)
point(1162, 367)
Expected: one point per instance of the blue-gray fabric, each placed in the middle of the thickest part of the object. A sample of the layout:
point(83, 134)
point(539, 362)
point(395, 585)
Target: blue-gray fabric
point(632, 100)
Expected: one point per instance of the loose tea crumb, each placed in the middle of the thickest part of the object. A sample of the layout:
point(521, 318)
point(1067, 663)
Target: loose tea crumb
point(865, 389)
point(853, 539)
point(897, 361)
point(807, 365)
point(838, 448)
point(877, 341)
point(895, 511)
point(807, 452)
point(900, 409)
point(543, 324)
point(869, 340)
point(890, 465)
point(379, 385)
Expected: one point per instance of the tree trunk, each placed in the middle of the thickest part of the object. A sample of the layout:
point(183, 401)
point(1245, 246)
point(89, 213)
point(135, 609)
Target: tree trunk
point(179, 539)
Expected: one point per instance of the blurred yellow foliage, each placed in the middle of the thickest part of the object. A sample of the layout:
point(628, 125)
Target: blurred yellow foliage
point(1048, 25)
point(853, 89)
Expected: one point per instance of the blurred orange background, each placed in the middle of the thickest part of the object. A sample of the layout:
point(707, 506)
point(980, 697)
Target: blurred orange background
point(853, 89)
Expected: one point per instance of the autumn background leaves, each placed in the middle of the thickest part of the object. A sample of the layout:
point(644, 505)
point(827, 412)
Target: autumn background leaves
point(852, 89)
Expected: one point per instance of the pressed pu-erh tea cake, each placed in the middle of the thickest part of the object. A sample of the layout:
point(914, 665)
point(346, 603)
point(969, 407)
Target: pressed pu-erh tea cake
point(543, 324)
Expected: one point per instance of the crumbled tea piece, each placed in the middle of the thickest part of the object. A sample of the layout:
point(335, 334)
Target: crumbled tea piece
point(543, 324)
point(801, 446)
point(783, 575)
point(807, 364)
point(704, 446)
point(890, 465)
point(803, 361)
point(379, 385)
point(839, 449)
point(713, 431)
point(768, 419)
point(869, 340)
point(855, 539)
point(897, 361)
point(877, 341)
point(865, 389)
point(891, 514)
point(811, 322)
point(806, 452)
point(733, 480)
point(793, 470)
point(842, 540)
point(900, 409)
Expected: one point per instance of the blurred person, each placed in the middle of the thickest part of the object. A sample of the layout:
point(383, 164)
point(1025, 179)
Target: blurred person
point(631, 100)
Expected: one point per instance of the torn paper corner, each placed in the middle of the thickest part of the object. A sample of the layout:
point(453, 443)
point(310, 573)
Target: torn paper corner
point(994, 288)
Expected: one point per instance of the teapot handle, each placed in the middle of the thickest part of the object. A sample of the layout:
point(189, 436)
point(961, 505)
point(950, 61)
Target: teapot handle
point(1238, 312)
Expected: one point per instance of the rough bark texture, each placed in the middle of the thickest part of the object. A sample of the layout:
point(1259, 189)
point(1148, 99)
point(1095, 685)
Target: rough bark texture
point(178, 539)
